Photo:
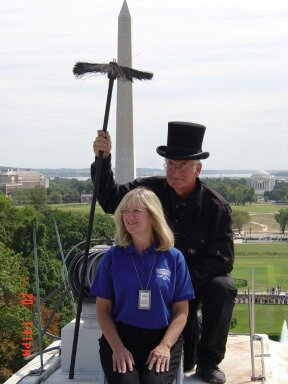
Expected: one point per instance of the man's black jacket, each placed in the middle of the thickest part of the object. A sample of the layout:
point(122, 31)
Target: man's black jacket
point(202, 222)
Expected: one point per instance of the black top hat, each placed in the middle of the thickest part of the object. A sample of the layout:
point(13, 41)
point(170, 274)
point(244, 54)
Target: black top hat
point(184, 142)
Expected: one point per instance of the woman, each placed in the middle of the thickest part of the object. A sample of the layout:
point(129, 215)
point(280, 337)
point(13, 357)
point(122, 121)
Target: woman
point(142, 288)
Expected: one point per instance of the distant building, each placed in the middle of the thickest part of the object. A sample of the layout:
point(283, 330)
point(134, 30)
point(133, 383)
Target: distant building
point(261, 181)
point(19, 179)
point(86, 198)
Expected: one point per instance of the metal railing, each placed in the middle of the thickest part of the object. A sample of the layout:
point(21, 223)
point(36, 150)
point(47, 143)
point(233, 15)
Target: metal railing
point(254, 337)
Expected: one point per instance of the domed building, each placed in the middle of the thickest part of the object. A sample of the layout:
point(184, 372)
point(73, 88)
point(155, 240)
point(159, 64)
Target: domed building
point(261, 181)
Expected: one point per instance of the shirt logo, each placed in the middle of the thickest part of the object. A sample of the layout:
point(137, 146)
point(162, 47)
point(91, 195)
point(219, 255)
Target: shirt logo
point(163, 273)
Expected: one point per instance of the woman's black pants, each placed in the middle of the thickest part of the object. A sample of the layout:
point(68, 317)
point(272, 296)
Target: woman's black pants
point(140, 342)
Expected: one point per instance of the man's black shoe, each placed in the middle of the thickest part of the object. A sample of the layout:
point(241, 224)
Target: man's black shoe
point(212, 374)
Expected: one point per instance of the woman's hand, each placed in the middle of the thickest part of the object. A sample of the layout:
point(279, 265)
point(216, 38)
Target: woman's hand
point(102, 143)
point(122, 360)
point(160, 356)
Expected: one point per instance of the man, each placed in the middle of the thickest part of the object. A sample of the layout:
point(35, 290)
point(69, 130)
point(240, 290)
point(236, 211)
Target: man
point(201, 221)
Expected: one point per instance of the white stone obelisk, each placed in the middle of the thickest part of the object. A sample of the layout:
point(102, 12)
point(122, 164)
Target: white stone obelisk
point(125, 165)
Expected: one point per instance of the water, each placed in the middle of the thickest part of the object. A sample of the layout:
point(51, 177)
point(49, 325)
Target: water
point(284, 333)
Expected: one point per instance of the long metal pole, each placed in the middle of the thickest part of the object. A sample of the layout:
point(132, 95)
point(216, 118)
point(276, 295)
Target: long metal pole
point(38, 297)
point(251, 333)
point(253, 303)
point(89, 234)
point(64, 268)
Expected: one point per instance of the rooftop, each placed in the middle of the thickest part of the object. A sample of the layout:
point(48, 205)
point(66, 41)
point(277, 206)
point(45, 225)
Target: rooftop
point(236, 365)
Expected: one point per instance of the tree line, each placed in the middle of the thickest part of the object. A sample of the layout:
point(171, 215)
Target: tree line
point(70, 190)
point(235, 191)
point(60, 191)
point(279, 193)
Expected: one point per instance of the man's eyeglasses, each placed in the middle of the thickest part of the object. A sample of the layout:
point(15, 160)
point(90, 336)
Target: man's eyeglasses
point(134, 212)
point(180, 167)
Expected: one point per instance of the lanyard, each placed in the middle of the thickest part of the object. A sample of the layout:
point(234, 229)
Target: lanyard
point(138, 274)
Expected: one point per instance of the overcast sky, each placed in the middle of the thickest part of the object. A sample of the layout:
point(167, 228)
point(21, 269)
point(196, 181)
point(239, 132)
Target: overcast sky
point(223, 64)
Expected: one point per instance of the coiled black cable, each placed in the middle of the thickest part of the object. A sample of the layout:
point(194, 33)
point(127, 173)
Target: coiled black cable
point(75, 265)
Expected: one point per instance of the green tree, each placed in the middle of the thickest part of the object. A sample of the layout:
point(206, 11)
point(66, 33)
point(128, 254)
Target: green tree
point(224, 189)
point(8, 220)
point(70, 190)
point(279, 193)
point(250, 195)
point(104, 227)
point(55, 198)
point(20, 196)
point(73, 196)
point(22, 241)
point(239, 218)
point(72, 228)
point(16, 232)
point(13, 282)
point(38, 198)
point(235, 191)
point(282, 219)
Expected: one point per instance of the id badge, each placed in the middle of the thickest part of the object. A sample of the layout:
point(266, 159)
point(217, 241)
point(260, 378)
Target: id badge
point(144, 299)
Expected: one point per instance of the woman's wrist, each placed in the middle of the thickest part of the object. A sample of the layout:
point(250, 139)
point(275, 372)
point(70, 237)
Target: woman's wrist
point(166, 343)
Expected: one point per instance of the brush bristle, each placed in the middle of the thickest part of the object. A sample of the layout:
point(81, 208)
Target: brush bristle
point(113, 70)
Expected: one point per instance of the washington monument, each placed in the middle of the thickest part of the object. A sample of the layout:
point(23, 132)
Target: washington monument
point(125, 164)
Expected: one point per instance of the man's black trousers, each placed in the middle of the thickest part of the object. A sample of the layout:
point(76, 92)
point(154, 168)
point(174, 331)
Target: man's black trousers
point(205, 341)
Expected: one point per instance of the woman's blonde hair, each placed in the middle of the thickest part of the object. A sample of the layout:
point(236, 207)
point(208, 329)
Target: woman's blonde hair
point(145, 199)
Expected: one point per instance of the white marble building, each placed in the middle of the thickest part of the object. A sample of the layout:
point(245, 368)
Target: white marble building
point(261, 181)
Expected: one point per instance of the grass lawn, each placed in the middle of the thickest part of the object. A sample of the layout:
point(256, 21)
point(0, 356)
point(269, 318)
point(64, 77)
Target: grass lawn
point(268, 319)
point(76, 207)
point(258, 221)
point(263, 249)
point(261, 217)
point(269, 271)
point(259, 208)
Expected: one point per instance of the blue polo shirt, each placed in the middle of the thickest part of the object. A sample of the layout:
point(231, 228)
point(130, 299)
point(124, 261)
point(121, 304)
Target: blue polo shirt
point(116, 280)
